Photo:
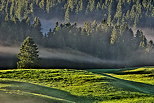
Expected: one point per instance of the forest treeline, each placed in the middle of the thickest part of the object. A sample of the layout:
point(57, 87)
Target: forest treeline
point(110, 42)
point(101, 40)
point(106, 32)
point(134, 12)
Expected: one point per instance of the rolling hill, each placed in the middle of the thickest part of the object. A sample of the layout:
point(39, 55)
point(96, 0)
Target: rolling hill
point(77, 86)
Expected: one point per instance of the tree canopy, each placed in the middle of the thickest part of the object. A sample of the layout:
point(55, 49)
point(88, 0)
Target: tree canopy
point(134, 12)
point(28, 56)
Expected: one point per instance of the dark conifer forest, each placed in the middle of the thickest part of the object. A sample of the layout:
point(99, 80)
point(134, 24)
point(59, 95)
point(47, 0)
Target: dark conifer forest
point(101, 28)
point(134, 12)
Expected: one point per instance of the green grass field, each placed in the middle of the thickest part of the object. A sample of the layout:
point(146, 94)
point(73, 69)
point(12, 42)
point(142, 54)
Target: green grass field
point(131, 85)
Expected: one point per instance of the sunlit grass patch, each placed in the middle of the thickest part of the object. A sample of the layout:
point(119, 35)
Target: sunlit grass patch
point(84, 85)
point(143, 75)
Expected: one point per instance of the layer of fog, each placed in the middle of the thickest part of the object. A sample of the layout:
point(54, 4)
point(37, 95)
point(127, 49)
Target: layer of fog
point(59, 54)
point(148, 32)
point(8, 51)
point(47, 25)
point(72, 55)
point(50, 24)
point(76, 57)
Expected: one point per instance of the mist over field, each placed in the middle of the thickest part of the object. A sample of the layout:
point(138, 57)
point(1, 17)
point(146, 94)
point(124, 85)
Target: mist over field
point(69, 58)
point(54, 57)
point(79, 33)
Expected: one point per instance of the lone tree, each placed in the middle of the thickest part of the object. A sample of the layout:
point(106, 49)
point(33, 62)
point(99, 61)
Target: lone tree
point(28, 56)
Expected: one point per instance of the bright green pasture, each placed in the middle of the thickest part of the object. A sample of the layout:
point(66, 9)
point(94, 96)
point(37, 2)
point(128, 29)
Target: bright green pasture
point(70, 85)
point(143, 75)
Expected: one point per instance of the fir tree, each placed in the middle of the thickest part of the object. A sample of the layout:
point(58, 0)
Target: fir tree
point(67, 15)
point(37, 23)
point(114, 36)
point(28, 56)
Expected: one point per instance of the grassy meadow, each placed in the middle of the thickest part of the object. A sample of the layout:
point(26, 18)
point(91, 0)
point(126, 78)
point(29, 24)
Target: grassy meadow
point(131, 85)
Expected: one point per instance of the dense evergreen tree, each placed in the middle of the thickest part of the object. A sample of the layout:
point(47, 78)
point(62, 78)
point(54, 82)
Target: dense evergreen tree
point(67, 15)
point(28, 56)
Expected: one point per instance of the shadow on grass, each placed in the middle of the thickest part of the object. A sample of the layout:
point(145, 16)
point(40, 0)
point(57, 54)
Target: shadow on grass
point(133, 86)
point(37, 89)
point(133, 72)
point(100, 71)
point(6, 97)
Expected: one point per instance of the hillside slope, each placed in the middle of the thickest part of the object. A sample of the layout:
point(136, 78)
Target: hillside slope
point(68, 85)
